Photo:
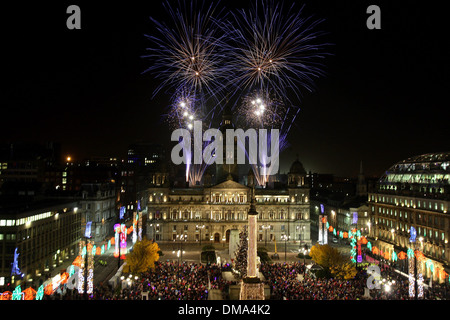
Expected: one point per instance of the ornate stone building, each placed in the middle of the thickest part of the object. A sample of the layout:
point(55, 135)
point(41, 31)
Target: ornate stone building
point(209, 213)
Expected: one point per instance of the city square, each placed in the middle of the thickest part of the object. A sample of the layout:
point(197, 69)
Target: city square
point(237, 154)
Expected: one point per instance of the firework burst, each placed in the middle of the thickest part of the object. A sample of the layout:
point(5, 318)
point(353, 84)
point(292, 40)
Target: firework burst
point(259, 110)
point(187, 55)
point(274, 49)
point(257, 60)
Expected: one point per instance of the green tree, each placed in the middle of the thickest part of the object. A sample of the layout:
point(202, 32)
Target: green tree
point(143, 257)
point(332, 261)
point(344, 271)
point(326, 256)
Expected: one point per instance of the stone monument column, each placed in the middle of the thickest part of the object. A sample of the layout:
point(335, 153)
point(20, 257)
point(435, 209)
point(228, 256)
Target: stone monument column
point(251, 286)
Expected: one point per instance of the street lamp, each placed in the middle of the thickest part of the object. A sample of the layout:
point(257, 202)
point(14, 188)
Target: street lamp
point(200, 227)
point(265, 227)
point(180, 250)
point(304, 250)
point(388, 284)
point(285, 238)
point(154, 230)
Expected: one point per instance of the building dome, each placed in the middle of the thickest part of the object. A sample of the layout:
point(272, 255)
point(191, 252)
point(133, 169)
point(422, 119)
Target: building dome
point(428, 170)
point(297, 168)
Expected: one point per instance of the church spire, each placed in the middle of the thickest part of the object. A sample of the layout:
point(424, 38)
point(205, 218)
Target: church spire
point(361, 187)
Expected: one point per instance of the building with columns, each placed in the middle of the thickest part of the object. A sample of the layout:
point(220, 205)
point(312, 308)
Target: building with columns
point(209, 213)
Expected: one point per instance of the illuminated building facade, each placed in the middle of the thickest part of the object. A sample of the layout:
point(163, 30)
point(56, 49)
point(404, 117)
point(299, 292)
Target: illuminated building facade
point(45, 235)
point(99, 203)
point(415, 193)
point(209, 213)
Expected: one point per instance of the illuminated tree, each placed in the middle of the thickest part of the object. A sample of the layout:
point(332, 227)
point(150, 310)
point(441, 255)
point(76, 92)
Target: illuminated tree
point(143, 257)
point(332, 261)
point(326, 256)
point(344, 271)
point(240, 262)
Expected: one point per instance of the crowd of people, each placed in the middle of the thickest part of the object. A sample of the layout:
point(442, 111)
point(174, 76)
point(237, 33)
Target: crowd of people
point(400, 289)
point(289, 281)
point(186, 281)
point(170, 281)
point(167, 281)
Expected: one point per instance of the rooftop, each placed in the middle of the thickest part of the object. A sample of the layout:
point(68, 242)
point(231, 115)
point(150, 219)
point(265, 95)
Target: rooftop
point(429, 169)
point(426, 175)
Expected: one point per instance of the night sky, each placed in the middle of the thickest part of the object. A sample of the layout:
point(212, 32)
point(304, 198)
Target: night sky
point(384, 97)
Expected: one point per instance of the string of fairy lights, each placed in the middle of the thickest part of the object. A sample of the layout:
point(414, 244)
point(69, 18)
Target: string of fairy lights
point(416, 259)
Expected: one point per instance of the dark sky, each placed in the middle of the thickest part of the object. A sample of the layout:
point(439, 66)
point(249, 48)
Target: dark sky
point(384, 97)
